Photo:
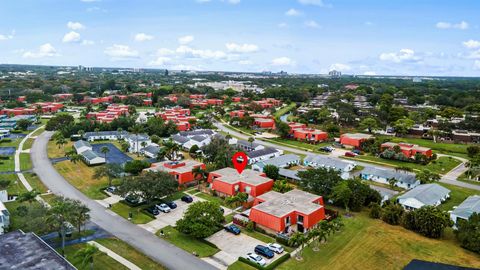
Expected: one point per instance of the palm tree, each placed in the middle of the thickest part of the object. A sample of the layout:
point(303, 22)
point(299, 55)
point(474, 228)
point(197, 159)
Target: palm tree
point(392, 181)
point(228, 137)
point(88, 254)
point(199, 174)
point(81, 133)
point(104, 150)
point(60, 141)
point(28, 196)
point(81, 215)
point(171, 149)
point(298, 239)
point(337, 224)
point(59, 214)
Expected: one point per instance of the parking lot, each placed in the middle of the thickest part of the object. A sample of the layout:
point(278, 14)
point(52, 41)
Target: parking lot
point(115, 155)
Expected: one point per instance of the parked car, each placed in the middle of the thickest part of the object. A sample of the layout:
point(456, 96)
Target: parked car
point(153, 210)
point(163, 207)
point(232, 228)
point(133, 200)
point(264, 251)
point(275, 248)
point(111, 189)
point(350, 154)
point(336, 144)
point(327, 149)
point(187, 199)
point(256, 259)
point(356, 151)
point(172, 205)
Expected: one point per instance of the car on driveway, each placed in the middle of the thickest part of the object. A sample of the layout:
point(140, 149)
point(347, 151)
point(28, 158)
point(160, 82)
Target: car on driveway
point(356, 151)
point(327, 149)
point(275, 248)
point(264, 251)
point(232, 228)
point(163, 207)
point(111, 189)
point(153, 210)
point(350, 154)
point(187, 199)
point(256, 259)
point(172, 205)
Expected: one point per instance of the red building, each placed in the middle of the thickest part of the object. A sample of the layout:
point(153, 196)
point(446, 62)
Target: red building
point(228, 182)
point(265, 123)
point(294, 125)
point(173, 98)
point(21, 98)
point(47, 107)
point(354, 139)
point(214, 101)
point(62, 97)
point(180, 116)
point(292, 211)
point(182, 170)
point(112, 112)
point(310, 134)
point(238, 99)
point(409, 150)
point(268, 103)
point(197, 96)
point(238, 113)
point(18, 111)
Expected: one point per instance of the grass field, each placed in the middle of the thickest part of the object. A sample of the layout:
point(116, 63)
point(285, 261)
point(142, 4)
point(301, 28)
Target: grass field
point(7, 165)
point(81, 176)
point(28, 143)
point(35, 182)
point(444, 148)
point(25, 162)
point(238, 265)
point(457, 196)
point(129, 253)
point(188, 243)
point(100, 261)
point(38, 132)
point(138, 216)
point(299, 144)
point(55, 151)
point(285, 109)
point(366, 243)
point(16, 187)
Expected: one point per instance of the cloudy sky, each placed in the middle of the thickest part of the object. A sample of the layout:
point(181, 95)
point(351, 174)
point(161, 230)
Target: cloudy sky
point(401, 37)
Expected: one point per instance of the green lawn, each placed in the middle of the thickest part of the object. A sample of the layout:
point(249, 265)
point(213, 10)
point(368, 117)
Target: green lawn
point(15, 187)
point(35, 182)
point(285, 109)
point(366, 243)
point(28, 143)
point(188, 243)
point(25, 162)
point(100, 261)
point(38, 132)
point(8, 164)
point(138, 216)
point(211, 198)
point(457, 196)
point(128, 252)
point(444, 148)
point(238, 265)
point(299, 144)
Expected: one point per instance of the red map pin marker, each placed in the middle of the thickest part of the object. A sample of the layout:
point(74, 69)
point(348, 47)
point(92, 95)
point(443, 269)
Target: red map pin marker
point(240, 161)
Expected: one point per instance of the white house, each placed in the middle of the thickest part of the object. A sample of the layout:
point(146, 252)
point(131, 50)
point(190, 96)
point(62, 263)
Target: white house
point(318, 161)
point(151, 151)
point(137, 142)
point(198, 140)
point(82, 146)
point(282, 161)
point(404, 180)
point(249, 146)
point(4, 218)
point(466, 209)
point(422, 195)
point(105, 135)
point(91, 158)
point(263, 154)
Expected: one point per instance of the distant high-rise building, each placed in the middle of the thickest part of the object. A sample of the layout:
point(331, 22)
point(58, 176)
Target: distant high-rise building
point(335, 74)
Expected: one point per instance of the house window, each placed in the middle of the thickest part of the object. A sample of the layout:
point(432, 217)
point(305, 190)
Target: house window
point(248, 190)
point(287, 220)
point(300, 219)
point(236, 187)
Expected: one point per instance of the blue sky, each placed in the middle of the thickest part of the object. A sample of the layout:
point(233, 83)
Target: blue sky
point(299, 36)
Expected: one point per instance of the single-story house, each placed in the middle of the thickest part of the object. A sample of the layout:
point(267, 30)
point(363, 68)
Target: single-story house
point(137, 142)
point(354, 139)
point(263, 154)
point(466, 209)
point(409, 150)
point(310, 134)
point(203, 132)
point(228, 182)
point(151, 151)
point(181, 170)
point(264, 123)
point(91, 158)
point(422, 195)
point(105, 135)
point(249, 146)
point(285, 213)
point(4, 218)
point(82, 146)
point(404, 180)
point(282, 161)
point(289, 174)
point(198, 140)
point(343, 166)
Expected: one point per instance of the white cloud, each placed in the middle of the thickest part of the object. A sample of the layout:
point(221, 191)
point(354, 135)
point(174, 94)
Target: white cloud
point(312, 2)
point(86, 42)
point(75, 26)
point(45, 50)
point(245, 62)
point(188, 52)
point(7, 37)
point(312, 24)
point(474, 55)
point(476, 65)
point(282, 25)
point(340, 67)
point(404, 55)
point(160, 61)
point(185, 39)
point(463, 25)
point(370, 73)
point(293, 12)
point(241, 48)
point(121, 52)
point(283, 61)
point(141, 37)
point(71, 36)
point(164, 52)
point(472, 44)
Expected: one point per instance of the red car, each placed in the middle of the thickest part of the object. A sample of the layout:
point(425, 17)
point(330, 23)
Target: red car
point(350, 154)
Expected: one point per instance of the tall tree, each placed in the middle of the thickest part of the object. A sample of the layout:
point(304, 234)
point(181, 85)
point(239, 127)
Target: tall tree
point(320, 181)
point(88, 254)
point(201, 219)
point(105, 150)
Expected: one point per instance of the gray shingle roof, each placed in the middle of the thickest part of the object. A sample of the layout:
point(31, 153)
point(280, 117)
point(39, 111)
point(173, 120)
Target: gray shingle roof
point(207, 132)
point(468, 207)
point(279, 161)
point(81, 143)
point(327, 162)
point(89, 155)
point(104, 133)
point(262, 152)
point(198, 138)
point(139, 137)
point(385, 173)
point(428, 194)
point(247, 144)
point(152, 149)
point(180, 139)
point(289, 174)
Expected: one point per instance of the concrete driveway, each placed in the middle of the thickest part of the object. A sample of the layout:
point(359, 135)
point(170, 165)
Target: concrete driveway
point(234, 246)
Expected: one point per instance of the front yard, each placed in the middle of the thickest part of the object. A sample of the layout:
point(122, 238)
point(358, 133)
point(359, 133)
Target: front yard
point(138, 216)
point(100, 261)
point(190, 244)
point(457, 196)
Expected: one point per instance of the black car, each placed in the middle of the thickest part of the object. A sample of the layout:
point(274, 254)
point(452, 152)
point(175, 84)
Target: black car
point(326, 149)
point(233, 229)
point(187, 199)
point(152, 210)
point(172, 205)
point(132, 200)
point(264, 251)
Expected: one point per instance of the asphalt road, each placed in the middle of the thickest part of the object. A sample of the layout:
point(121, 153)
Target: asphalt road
point(159, 250)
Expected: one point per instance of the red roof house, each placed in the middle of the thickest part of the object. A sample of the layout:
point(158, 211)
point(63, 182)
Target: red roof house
point(310, 134)
point(238, 113)
point(354, 139)
point(294, 125)
point(409, 150)
point(182, 170)
point(228, 182)
point(265, 123)
point(292, 211)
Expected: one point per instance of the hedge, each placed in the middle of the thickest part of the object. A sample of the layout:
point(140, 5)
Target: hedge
point(271, 266)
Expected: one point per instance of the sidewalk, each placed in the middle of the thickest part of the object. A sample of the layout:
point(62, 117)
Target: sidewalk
point(115, 256)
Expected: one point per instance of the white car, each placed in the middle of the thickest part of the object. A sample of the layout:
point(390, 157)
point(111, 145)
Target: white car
point(256, 259)
point(163, 208)
point(275, 248)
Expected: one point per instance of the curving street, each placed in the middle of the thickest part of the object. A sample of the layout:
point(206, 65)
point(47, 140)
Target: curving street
point(161, 251)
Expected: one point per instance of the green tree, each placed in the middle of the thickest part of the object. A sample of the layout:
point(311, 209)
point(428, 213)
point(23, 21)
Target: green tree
point(402, 126)
point(271, 171)
point(59, 121)
point(201, 219)
point(28, 196)
point(426, 176)
point(199, 174)
point(23, 124)
point(80, 215)
point(341, 194)
point(60, 141)
point(320, 181)
point(392, 213)
point(298, 239)
point(368, 123)
point(282, 186)
point(61, 213)
point(391, 182)
point(282, 128)
point(171, 149)
point(149, 185)
point(468, 233)
point(105, 150)
point(428, 221)
point(88, 253)
point(375, 210)
point(111, 171)
point(136, 166)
